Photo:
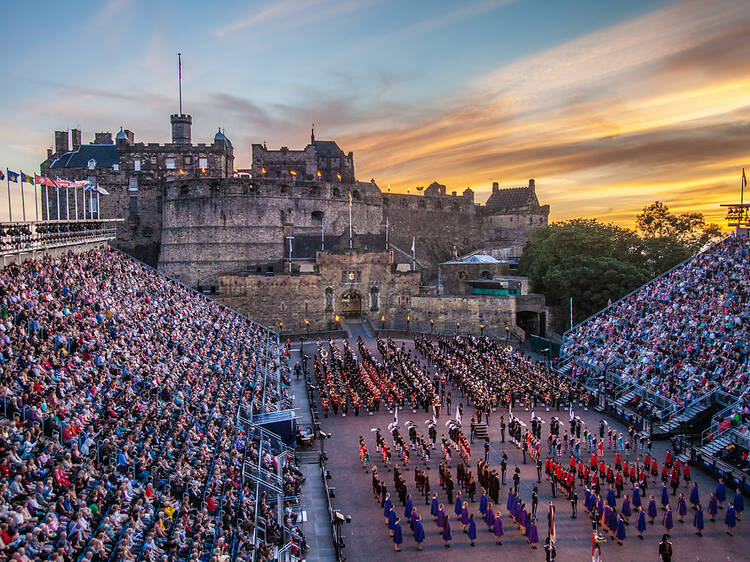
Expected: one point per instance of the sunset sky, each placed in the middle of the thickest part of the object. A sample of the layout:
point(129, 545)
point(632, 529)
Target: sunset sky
point(608, 105)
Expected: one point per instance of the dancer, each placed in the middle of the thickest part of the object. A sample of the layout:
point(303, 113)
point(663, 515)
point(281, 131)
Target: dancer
point(472, 531)
point(397, 537)
point(419, 533)
point(641, 523)
point(652, 510)
point(667, 520)
point(498, 529)
point(713, 507)
point(721, 493)
point(730, 519)
point(698, 520)
point(447, 537)
point(694, 495)
point(620, 530)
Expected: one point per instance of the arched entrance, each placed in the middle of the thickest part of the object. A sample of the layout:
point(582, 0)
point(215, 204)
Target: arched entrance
point(351, 304)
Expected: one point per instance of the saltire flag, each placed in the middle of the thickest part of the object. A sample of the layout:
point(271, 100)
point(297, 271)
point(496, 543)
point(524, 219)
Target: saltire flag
point(92, 187)
point(27, 179)
point(12, 176)
point(323, 226)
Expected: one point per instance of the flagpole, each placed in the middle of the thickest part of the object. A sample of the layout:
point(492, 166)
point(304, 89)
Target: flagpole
point(36, 203)
point(75, 200)
point(57, 195)
point(386, 233)
point(23, 199)
point(10, 205)
point(67, 203)
point(322, 235)
point(45, 206)
point(350, 220)
point(98, 208)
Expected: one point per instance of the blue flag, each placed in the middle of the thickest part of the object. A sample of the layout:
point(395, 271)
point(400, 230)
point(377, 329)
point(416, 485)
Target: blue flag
point(2, 176)
point(12, 176)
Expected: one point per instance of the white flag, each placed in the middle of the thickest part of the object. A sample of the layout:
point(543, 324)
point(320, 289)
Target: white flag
point(572, 415)
point(412, 245)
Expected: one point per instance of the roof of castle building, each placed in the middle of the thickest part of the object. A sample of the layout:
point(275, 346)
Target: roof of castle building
point(105, 155)
point(221, 137)
point(512, 198)
point(327, 148)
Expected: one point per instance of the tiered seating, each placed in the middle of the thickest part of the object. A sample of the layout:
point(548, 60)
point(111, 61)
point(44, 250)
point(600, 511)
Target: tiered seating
point(681, 337)
point(119, 390)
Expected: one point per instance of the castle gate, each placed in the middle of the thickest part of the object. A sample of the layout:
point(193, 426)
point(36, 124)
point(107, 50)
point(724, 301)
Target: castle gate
point(351, 304)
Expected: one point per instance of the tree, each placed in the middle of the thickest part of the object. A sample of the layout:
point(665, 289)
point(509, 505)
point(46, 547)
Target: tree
point(690, 229)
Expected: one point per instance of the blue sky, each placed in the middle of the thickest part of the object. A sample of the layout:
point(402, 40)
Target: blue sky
point(461, 92)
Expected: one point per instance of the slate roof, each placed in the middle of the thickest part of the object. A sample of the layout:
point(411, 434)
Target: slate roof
point(105, 156)
point(512, 198)
point(476, 258)
point(327, 148)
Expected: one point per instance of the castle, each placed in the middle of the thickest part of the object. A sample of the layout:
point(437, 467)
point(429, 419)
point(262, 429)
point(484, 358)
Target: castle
point(190, 212)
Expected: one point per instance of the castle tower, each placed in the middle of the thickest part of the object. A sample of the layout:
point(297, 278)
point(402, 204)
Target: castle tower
point(181, 125)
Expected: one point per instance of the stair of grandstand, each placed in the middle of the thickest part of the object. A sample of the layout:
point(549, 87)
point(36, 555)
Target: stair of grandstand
point(308, 457)
point(687, 415)
point(712, 448)
point(480, 431)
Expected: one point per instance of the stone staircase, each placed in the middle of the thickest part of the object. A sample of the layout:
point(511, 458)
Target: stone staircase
point(480, 431)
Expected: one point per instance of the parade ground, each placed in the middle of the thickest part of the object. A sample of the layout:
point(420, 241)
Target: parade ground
point(367, 537)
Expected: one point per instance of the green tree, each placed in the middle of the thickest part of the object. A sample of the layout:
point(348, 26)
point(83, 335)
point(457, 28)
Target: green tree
point(689, 229)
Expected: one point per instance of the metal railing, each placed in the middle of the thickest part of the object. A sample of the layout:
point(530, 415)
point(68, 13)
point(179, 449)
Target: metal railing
point(29, 236)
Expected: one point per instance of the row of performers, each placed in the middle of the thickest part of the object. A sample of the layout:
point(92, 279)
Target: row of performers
point(345, 382)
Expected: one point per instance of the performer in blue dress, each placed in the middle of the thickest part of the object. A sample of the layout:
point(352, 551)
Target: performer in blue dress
point(458, 505)
point(413, 518)
point(497, 529)
point(739, 504)
point(447, 537)
point(664, 496)
point(533, 534)
point(695, 497)
point(489, 519)
point(612, 523)
point(668, 521)
point(721, 493)
point(510, 505)
point(730, 519)
point(652, 509)
point(434, 507)
point(387, 506)
point(698, 520)
point(472, 532)
point(713, 506)
point(483, 502)
point(612, 496)
point(419, 533)
point(392, 517)
point(397, 537)
point(640, 524)
point(620, 530)
point(408, 507)
point(682, 507)
point(626, 509)
point(636, 497)
point(442, 517)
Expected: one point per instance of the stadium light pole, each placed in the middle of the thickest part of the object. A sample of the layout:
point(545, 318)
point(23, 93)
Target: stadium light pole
point(408, 319)
point(481, 330)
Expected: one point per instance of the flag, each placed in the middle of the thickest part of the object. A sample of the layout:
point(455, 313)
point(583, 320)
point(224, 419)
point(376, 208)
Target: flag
point(744, 179)
point(412, 245)
point(323, 226)
point(551, 518)
point(62, 183)
point(2, 176)
point(41, 180)
point(27, 179)
point(12, 176)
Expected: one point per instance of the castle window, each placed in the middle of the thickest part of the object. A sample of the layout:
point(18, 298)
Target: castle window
point(133, 208)
point(329, 299)
point(188, 160)
point(137, 165)
point(422, 204)
point(133, 184)
point(170, 163)
point(203, 162)
point(374, 298)
point(335, 192)
point(316, 217)
point(355, 195)
point(486, 275)
point(461, 274)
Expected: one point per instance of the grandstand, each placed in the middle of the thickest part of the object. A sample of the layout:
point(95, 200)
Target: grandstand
point(133, 409)
point(672, 357)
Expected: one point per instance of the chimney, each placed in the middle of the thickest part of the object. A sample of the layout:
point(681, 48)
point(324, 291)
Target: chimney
point(181, 124)
point(103, 138)
point(61, 142)
point(131, 137)
point(531, 185)
point(75, 138)
point(49, 153)
point(495, 187)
